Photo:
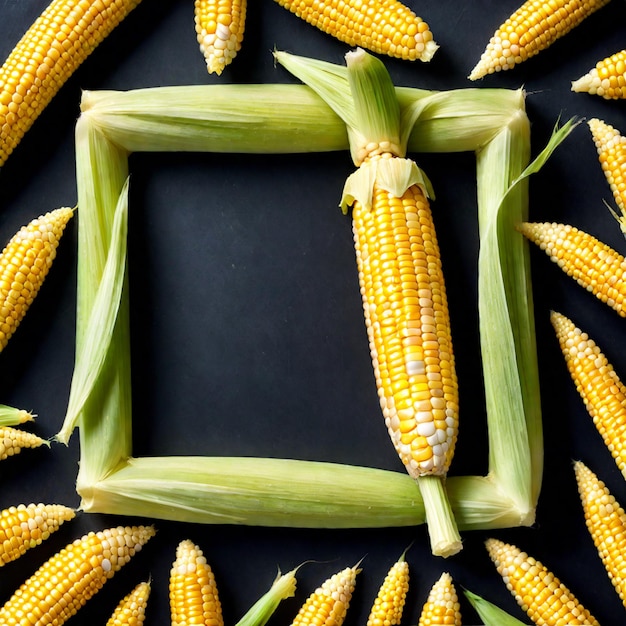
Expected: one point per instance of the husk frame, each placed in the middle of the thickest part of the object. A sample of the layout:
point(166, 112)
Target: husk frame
point(285, 492)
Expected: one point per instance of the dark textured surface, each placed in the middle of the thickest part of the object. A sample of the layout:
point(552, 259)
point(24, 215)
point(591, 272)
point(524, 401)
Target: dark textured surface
point(248, 337)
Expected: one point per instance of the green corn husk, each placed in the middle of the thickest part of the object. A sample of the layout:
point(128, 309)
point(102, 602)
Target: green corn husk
point(281, 492)
point(491, 614)
point(10, 416)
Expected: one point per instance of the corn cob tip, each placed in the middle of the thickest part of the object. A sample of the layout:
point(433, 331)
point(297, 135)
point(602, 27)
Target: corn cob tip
point(442, 605)
point(607, 79)
point(131, 610)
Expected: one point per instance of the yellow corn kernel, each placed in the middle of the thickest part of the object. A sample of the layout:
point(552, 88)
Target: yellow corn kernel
point(192, 589)
point(25, 526)
point(220, 26)
point(382, 26)
point(24, 264)
point(389, 603)
point(533, 27)
point(591, 263)
point(408, 326)
point(607, 79)
point(611, 147)
point(597, 383)
point(131, 611)
point(64, 583)
point(59, 40)
point(13, 440)
point(442, 605)
point(329, 603)
point(544, 598)
point(606, 522)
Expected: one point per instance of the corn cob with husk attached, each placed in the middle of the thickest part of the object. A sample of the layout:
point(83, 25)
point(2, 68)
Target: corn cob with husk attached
point(14, 440)
point(607, 79)
point(131, 610)
point(599, 386)
point(606, 522)
point(11, 416)
point(59, 40)
point(544, 598)
point(611, 147)
point(328, 605)
point(24, 264)
point(594, 265)
point(192, 588)
point(389, 602)
point(382, 26)
point(402, 288)
point(23, 527)
point(533, 27)
point(220, 26)
point(442, 605)
point(66, 581)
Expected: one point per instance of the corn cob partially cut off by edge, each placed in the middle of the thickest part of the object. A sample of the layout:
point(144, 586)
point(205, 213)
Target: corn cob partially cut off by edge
point(544, 598)
point(442, 605)
point(389, 603)
point(607, 79)
point(11, 416)
point(606, 522)
point(59, 40)
point(23, 527)
point(24, 264)
point(220, 26)
point(13, 440)
point(131, 611)
point(328, 605)
point(65, 582)
point(611, 147)
point(594, 265)
point(600, 388)
point(533, 27)
point(192, 588)
point(382, 26)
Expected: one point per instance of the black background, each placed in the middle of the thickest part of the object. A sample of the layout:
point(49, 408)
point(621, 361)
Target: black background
point(247, 329)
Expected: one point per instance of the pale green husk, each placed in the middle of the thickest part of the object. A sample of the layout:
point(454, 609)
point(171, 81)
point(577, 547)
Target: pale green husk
point(491, 614)
point(11, 416)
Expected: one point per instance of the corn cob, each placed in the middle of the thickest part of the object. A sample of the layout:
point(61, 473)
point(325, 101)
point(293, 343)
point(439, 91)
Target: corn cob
point(591, 263)
point(544, 598)
point(381, 26)
point(192, 589)
point(599, 386)
point(25, 526)
point(24, 265)
point(329, 603)
point(606, 522)
point(59, 40)
point(10, 416)
point(64, 583)
point(607, 79)
point(220, 27)
point(131, 611)
point(13, 440)
point(611, 147)
point(389, 603)
point(533, 27)
point(442, 605)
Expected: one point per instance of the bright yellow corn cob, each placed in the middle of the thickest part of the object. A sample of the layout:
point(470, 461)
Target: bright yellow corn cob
point(25, 526)
point(13, 440)
point(597, 383)
point(607, 79)
point(442, 605)
point(220, 26)
point(546, 600)
point(591, 263)
point(382, 26)
point(64, 583)
point(131, 611)
point(606, 522)
point(611, 147)
point(329, 603)
point(59, 40)
point(24, 264)
point(389, 603)
point(535, 26)
point(194, 598)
